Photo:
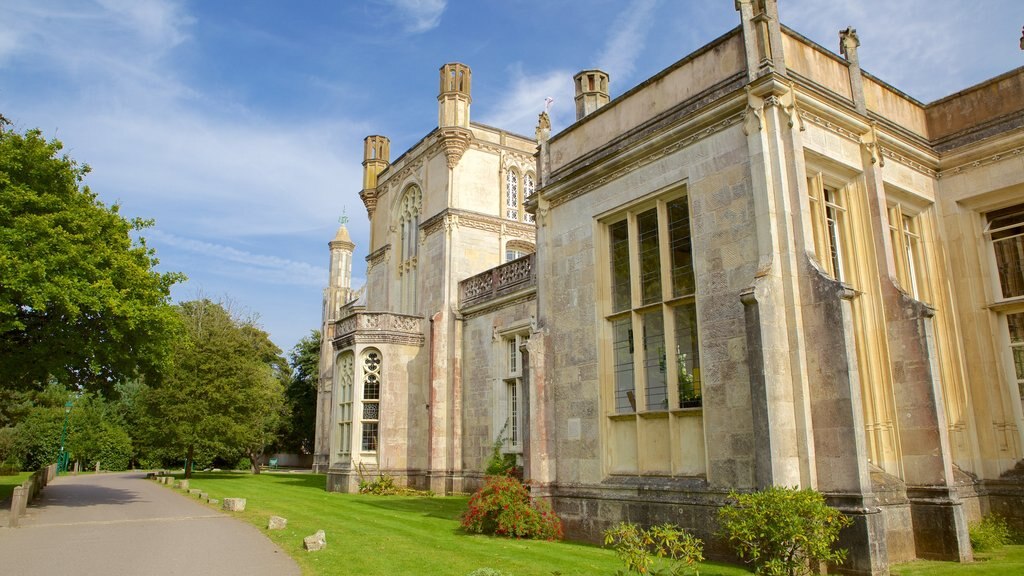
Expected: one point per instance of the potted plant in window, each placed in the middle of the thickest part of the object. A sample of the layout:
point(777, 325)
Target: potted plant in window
point(689, 388)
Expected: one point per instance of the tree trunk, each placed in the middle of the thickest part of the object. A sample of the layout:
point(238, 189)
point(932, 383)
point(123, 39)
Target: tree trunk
point(254, 461)
point(188, 461)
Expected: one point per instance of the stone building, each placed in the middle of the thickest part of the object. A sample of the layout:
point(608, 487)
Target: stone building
point(760, 266)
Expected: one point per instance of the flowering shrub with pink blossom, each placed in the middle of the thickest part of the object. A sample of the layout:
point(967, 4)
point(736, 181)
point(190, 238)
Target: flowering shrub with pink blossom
point(503, 506)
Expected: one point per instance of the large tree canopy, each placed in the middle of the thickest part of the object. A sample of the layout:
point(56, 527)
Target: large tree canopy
point(224, 394)
point(80, 301)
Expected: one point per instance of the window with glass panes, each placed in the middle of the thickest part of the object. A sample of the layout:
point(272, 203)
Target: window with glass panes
point(653, 317)
point(528, 189)
point(370, 417)
point(1006, 232)
point(906, 250)
point(513, 384)
point(829, 225)
point(1015, 324)
point(345, 378)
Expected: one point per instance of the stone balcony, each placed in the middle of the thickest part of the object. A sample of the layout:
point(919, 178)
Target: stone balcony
point(497, 282)
point(377, 327)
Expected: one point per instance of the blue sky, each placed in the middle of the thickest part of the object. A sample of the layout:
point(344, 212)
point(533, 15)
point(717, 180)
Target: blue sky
point(238, 126)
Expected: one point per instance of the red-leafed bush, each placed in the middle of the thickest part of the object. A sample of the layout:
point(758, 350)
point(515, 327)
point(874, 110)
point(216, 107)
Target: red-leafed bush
point(503, 506)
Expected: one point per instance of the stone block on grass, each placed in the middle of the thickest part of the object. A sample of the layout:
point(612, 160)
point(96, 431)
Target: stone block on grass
point(212, 501)
point(194, 491)
point(204, 496)
point(234, 504)
point(277, 523)
point(315, 542)
point(183, 484)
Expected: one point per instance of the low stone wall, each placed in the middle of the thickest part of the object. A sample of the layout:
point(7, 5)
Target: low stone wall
point(29, 491)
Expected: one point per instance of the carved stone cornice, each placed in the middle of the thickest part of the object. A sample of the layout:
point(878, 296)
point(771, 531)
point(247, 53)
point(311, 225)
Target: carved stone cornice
point(455, 141)
point(378, 256)
point(369, 198)
point(981, 162)
point(688, 138)
point(528, 295)
point(453, 218)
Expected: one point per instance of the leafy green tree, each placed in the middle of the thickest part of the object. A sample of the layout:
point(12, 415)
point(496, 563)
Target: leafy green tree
point(223, 395)
point(80, 301)
point(96, 434)
point(300, 394)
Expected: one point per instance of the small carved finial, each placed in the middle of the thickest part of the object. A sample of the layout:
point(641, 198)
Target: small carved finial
point(848, 41)
point(543, 127)
point(1022, 38)
point(344, 217)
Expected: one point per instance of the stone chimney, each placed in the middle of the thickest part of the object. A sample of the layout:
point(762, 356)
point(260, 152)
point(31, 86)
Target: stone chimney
point(591, 92)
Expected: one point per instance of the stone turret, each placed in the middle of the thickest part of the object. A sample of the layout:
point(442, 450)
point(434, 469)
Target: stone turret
point(453, 110)
point(762, 37)
point(591, 91)
point(339, 287)
point(376, 157)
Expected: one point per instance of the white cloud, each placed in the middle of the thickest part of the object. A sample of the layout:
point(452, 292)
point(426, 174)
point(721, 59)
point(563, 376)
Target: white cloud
point(627, 42)
point(420, 15)
point(519, 106)
point(927, 48)
point(263, 267)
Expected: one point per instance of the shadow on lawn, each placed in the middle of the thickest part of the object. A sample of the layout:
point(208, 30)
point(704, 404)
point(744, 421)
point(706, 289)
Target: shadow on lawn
point(445, 508)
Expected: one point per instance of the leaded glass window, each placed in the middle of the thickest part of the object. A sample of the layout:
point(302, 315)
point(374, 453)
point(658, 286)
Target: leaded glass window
point(511, 195)
point(652, 317)
point(371, 378)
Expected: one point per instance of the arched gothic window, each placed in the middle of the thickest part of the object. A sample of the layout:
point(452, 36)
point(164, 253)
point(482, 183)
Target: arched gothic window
point(511, 195)
point(370, 416)
point(409, 224)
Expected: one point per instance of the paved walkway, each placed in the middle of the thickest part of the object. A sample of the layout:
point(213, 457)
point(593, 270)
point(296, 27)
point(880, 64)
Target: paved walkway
point(120, 524)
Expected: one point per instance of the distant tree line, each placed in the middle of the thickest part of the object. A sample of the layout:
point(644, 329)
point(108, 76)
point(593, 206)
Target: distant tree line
point(92, 350)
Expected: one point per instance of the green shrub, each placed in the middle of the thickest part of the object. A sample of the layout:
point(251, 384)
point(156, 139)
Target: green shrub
point(501, 464)
point(991, 533)
point(503, 506)
point(384, 485)
point(783, 531)
point(635, 546)
point(244, 464)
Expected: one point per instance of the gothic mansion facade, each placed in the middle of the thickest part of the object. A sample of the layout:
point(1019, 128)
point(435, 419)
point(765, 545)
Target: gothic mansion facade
point(762, 266)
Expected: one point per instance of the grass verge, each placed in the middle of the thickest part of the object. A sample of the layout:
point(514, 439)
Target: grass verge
point(387, 535)
point(1005, 561)
point(9, 483)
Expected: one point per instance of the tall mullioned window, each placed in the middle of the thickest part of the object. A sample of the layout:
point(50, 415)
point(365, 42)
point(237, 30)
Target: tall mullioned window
point(653, 316)
point(905, 236)
point(409, 224)
point(370, 417)
point(345, 377)
point(1015, 323)
point(513, 385)
point(518, 188)
point(511, 195)
point(1006, 231)
point(830, 225)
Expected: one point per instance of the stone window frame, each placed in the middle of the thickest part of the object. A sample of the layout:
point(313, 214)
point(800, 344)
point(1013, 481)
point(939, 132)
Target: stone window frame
point(1001, 226)
point(371, 382)
point(1005, 225)
point(517, 188)
point(345, 376)
point(829, 200)
point(640, 315)
point(908, 238)
point(516, 249)
point(509, 422)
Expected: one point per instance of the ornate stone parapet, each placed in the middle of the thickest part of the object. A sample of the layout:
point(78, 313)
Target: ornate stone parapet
point(498, 281)
point(380, 328)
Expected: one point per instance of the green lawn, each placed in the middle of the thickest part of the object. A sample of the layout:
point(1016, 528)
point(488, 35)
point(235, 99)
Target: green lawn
point(9, 483)
point(390, 535)
point(1007, 561)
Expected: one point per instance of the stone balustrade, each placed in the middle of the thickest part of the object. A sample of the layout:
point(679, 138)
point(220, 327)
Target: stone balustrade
point(498, 281)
